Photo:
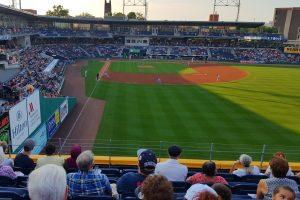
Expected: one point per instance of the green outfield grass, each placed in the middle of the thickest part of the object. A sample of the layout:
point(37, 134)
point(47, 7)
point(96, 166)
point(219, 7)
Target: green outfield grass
point(146, 67)
point(238, 117)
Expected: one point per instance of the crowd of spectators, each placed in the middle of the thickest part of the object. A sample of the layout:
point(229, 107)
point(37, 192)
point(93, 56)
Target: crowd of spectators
point(16, 31)
point(55, 178)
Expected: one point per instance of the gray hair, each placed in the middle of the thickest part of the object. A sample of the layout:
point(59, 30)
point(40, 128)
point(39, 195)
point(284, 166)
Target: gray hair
point(85, 160)
point(245, 160)
point(48, 182)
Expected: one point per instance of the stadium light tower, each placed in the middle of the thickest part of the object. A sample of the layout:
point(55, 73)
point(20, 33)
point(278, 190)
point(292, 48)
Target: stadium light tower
point(136, 3)
point(228, 3)
point(16, 4)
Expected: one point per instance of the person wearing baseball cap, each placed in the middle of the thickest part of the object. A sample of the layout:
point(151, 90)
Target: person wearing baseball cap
point(22, 160)
point(147, 161)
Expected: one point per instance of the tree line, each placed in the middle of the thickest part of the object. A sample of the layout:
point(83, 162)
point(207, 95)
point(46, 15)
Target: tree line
point(60, 11)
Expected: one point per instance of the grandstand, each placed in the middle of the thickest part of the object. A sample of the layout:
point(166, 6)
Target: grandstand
point(55, 62)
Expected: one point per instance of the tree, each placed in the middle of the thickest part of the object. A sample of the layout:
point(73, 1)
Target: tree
point(86, 15)
point(58, 11)
point(140, 16)
point(118, 14)
point(131, 15)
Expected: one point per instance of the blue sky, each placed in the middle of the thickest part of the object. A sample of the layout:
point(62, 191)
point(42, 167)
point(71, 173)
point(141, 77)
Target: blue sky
point(251, 10)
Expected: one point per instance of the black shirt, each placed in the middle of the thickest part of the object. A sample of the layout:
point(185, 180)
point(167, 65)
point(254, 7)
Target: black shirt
point(24, 162)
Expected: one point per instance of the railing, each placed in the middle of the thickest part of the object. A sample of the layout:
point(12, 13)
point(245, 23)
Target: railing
point(191, 150)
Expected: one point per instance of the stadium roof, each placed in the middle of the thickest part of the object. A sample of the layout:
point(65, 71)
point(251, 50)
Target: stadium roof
point(28, 15)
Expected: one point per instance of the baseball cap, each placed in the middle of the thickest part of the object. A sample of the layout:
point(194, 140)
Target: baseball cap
point(29, 144)
point(147, 158)
point(195, 189)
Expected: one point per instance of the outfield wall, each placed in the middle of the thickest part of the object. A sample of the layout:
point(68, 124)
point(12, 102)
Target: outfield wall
point(34, 117)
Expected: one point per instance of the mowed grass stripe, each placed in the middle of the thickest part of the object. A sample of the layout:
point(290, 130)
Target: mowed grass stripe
point(147, 67)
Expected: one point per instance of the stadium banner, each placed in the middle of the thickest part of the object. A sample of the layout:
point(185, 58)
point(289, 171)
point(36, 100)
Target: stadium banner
point(53, 123)
point(293, 50)
point(40, 138)
point(18, 124)
point(34, 111)
point(63, 110)
point(4, 127)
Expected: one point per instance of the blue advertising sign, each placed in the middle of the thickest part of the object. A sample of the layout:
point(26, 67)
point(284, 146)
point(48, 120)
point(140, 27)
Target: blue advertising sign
point(53, 123)
point(40, 138)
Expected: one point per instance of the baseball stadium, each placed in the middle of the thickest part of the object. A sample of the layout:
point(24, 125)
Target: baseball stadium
point(127, 107)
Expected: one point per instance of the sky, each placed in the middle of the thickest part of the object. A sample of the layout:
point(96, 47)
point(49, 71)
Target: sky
point(199, 10)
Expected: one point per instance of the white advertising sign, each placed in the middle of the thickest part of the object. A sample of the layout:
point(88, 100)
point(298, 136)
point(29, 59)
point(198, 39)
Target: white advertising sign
point(63, 111)
point(18, 124)
point(34, 111)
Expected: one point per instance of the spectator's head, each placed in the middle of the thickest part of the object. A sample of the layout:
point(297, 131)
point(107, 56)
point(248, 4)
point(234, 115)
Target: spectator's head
point(283, 193)
point(223, 191)
point(195, 190)
point(50, 149)
point(280, 154)
point(157, 187)
point(147, 161)
point(29, 145)
point(209, 168)
point(174, 151)
point(75, 151)
point(245, 160)
point(279, 167)
point(206, 196)
point(85, 161)
point(2, 155)
point(48, 182)
point(4, 146)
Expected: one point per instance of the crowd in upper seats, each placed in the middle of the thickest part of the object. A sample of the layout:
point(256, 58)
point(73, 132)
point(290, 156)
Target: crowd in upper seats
point(32, 64)
point(55, 178)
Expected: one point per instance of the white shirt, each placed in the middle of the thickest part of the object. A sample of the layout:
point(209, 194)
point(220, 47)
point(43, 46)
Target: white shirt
point(172, 170)
point(242, 172)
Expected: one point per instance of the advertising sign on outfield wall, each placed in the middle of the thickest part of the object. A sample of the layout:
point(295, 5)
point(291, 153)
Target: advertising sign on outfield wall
point(18, 124)
point(40, 138)
point(53, 123)
point(4, 127)
point(34, 111)
point(63, 110)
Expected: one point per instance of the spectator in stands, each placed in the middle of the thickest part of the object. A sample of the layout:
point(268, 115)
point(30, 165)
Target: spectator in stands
point(223, 191)
point(279, 168)
point(200, 191)
point(268, 170)
point(22, 160)
point(70, 163)
point(5, 170)
point(283, 193)
point(87, 181)
point(7, 161)
point(247, 169)
point(147, 161)
point(50, 157)
point(48, 183)
point(172, 169)
point(157, 187)
point(208, 175)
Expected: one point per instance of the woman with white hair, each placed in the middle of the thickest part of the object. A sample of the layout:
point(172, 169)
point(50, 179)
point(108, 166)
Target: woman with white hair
point(247, 169)
point(48, 182)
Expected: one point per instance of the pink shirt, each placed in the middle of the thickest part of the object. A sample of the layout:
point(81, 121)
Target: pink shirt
point(202, 178)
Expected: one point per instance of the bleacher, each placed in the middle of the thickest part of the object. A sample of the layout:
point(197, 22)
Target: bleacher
point(241, 187)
